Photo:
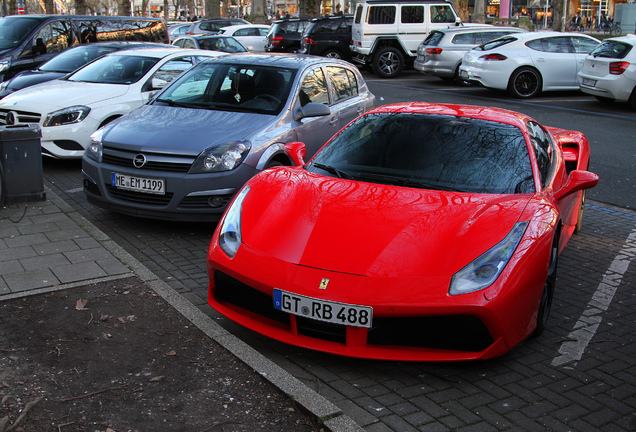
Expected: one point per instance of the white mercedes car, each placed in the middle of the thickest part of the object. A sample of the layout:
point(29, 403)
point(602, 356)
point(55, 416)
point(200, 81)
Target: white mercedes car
point(525, 64)
point(70, 109)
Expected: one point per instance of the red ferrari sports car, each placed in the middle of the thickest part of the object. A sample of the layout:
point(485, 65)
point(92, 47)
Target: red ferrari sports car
point(419, 232)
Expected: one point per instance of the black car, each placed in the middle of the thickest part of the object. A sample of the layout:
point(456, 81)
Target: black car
point(66, 62)
point(328, 37)
point(27, 41)
point(285, 35)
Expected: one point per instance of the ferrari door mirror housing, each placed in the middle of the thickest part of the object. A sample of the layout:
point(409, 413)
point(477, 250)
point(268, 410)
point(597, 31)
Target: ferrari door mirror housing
point(296, 151)
point(577, 180)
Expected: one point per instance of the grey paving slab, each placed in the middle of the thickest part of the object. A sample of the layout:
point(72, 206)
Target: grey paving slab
point(44, 261)
point(29, 280)
point(83, 271)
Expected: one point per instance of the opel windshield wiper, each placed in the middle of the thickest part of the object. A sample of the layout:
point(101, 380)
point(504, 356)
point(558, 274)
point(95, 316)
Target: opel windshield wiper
point(179, 104)
point(332, 170)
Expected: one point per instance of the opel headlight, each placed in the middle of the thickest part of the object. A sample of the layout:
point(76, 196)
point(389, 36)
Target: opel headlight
point(222, 157)
point(70, 115)
point(230, 234)
point(95, 148)
point(484, 271)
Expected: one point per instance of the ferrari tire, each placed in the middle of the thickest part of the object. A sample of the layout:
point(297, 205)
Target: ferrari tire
point(525, 82)
point(388, 63)
point(579, 218)
point(545, 305)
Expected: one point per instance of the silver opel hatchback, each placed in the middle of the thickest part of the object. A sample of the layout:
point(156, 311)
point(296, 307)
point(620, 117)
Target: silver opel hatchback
point(441, 53)
point(184, 155)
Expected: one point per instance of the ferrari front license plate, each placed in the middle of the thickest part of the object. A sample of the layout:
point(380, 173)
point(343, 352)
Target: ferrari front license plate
point(138, 184)
point(323, 310)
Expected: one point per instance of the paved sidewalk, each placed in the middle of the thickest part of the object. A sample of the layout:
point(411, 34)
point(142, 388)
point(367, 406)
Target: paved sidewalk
point(47, 246)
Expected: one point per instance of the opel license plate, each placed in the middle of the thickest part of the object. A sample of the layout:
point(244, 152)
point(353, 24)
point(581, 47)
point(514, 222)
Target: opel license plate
point(323, 310)
point(138, 184)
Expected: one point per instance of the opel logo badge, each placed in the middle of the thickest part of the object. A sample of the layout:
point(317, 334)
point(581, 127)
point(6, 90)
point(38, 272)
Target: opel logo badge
point(139, 161)
point(11, 118)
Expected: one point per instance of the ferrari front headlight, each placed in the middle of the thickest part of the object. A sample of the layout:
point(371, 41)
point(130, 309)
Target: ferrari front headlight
point(484, 271)
point(70, 115)
point(230, 234)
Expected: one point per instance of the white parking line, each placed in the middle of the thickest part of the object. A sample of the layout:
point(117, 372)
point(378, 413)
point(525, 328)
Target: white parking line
point(585, 328)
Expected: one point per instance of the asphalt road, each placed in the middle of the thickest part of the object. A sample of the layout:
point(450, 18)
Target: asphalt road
point(610, 128)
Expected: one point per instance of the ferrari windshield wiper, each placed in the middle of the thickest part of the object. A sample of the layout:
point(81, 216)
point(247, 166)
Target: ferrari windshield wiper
point(332, 170)
point(400, 181)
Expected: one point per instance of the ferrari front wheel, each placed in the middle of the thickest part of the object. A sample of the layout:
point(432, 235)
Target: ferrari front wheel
point(545, 305)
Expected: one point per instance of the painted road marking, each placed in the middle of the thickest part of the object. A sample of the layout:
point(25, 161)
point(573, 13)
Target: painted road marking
point(585, 328)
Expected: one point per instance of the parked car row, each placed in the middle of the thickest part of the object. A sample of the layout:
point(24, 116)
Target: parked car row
point(411, 232)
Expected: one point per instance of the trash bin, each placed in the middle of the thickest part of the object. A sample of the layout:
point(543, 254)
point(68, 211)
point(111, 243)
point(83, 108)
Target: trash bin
point(21, 174)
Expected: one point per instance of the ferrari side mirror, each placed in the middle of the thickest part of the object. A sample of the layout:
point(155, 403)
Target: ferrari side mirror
point(296, 151)
point(577, 180)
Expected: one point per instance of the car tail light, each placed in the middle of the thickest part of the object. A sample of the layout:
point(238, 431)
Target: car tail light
point(493, 57)
point(309, 41)
point(277, 40)
point(617, 68)
point(433, 50)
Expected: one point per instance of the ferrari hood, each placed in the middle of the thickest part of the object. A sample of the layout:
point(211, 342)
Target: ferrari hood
point(161, 128)
point(370, 229)
point(49, 96)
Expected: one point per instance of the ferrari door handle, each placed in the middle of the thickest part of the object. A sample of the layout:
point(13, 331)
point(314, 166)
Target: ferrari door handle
point(333, 121)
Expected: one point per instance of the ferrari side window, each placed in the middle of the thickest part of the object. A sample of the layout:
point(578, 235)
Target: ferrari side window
point(543, 149)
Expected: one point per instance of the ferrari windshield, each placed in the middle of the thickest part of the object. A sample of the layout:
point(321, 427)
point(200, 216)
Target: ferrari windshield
point(115, 69)
point(430, 151)
point(231, 87)
point(74, 58)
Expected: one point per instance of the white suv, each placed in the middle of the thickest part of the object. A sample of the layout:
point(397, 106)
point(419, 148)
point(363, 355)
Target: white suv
point(386, 34)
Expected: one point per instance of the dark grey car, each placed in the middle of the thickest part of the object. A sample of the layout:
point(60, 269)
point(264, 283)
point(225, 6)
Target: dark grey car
point(185, 154)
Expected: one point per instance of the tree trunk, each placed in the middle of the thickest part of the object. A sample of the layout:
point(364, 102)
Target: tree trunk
point(124, 8)
point(461, 6)
point(309, 8)
point(213, 8)
point(557, 15)
point(479, 15)
point(259, 14)
point(80, 7)
point(166, 10)
point(49, 8)
point(144, 7)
